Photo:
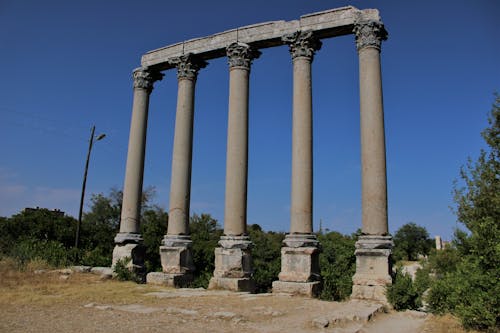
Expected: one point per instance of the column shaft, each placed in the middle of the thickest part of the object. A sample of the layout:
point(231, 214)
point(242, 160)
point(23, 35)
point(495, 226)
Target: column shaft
point(300, 273)
point(373, 248)
point(180, 183)
point(128, 240)
point(237, 153)
point(233, 259)
point(302, 144)
point(374, 183)
point(132, 190)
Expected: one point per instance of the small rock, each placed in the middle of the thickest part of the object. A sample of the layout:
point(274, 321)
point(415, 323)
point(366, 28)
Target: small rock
point(224, 315)
point(64, 277)
point(320, 322)
point(415, 314)
point(105, 277)
point(90, 305)
point(103, 307)
point(40, 271)
point(65, 271)
point(101, 270)
point(81, 269)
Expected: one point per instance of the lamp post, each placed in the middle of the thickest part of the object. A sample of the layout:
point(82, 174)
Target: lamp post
point(91, 142)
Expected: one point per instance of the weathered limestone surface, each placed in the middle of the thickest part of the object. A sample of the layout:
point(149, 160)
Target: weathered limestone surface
point(373, 269)
point(134, 252)
point(300, 262)
point(329, 23)
point(233, 265)
point(129, 234)
point(373, 249)
point(233, 260)
point(175, 252)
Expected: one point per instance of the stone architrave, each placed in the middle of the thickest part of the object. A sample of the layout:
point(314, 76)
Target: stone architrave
point(175, 251)
point(300, 272)
point(373, 249)
point(233, 262)
point(129, 241)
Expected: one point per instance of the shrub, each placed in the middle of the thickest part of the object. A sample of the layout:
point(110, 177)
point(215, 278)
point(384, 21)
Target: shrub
point(338, 264)
point(125, 273)
point(402, 294)
point(53, 252)
point(470, 293)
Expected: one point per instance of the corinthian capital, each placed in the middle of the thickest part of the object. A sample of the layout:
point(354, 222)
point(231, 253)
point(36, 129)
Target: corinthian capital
point(144, 78)
point(188, 66)
point(369, 34)
point(302, 44)
point(241, 55)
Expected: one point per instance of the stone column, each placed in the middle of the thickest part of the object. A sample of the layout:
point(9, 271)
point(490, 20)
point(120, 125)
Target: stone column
point(299, 256)
point(129, 241)
point(373, 248)
point(233, 268)
point(175, 251)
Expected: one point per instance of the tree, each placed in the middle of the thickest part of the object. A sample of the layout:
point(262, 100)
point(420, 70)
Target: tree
point(266, 254)
point(470, 290)
point(205, 233)
point(478, 201)
point(410, 241)
point(338, 264)
point(153, 227)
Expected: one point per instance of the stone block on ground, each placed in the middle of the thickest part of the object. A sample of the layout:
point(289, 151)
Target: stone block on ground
point(170, 280)
point(308, 289)
point(232, 284)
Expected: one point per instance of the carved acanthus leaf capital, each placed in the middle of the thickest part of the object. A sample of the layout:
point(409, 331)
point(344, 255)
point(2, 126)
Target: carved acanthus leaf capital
point(144, 78)
point(369, 34)
point(188, 66)
point(241, 55)
point(302, 44)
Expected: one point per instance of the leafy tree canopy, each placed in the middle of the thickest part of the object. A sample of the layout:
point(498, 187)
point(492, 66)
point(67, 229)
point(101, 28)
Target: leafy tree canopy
point(410, 241)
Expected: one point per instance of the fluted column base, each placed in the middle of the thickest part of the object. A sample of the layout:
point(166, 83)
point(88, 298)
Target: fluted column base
point(300, 274)
point(233, 265)
point(373, 268)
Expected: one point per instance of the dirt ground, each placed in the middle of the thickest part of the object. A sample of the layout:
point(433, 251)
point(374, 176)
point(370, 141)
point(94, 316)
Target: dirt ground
point(76, 302)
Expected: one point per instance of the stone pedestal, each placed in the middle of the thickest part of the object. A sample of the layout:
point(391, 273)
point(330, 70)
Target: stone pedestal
point(176, 262)
point(233, 265)
point(133, 251)
point(373, 268)
point(300, 274)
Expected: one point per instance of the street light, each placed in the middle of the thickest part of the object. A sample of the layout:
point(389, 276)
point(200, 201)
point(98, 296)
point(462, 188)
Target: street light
point(91, 142)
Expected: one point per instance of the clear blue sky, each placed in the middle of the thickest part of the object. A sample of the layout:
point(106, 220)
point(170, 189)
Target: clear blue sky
point(66, 65)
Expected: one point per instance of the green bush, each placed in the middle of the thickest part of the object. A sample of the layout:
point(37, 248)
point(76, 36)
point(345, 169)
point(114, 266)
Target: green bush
point(205, 234)
point(53, 252)
point(95, 257)
point(402, 294)
point(124, 273)
point(266, 255)
point(337, 264)
point(470, 293)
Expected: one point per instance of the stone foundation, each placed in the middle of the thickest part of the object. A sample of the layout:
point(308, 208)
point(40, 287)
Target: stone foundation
point(176, 262)
point(300, 274)
point(136, 253)
point(308, 289)
point(373, 269)
point(233, 265)
point(169, 280)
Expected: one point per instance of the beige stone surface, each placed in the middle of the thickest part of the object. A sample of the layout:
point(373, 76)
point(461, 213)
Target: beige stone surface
point(83, 303)
point(329, 23)
point(180, 186)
